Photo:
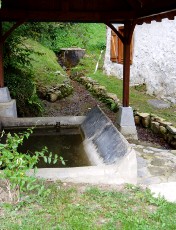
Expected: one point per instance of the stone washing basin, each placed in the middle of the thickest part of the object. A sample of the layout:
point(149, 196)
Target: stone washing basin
point(112, 159)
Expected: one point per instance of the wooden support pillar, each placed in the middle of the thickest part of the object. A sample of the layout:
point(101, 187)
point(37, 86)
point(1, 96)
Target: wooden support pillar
point(1, 58)
point(128, 32)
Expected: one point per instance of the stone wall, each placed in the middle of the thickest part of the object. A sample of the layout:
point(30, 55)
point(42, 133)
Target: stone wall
point(158, 126)
point(99, 91)
point(153, 60)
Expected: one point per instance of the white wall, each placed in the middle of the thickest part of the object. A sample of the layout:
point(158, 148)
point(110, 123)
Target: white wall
point(154, 60)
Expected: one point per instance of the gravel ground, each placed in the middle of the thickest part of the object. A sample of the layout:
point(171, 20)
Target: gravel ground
point(79, 104)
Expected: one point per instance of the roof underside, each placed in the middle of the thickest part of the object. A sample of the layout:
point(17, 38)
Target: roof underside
point(104, 11)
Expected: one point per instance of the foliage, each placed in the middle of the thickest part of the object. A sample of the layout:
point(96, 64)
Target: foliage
point(18, 73)
point(22, 88)
point(64, 35)
point(16, 166)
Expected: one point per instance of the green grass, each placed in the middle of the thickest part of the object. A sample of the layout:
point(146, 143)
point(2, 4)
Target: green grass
point(81, 207)
point(45, 67)
point(138, 99)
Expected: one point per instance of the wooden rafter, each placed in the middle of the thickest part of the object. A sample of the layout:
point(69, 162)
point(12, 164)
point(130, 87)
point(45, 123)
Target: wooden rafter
point(115, 31)
point(135, 4)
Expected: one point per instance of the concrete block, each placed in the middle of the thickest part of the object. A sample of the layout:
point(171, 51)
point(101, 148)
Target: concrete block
point(8, 109)
point(126, 124)
point(4, 95)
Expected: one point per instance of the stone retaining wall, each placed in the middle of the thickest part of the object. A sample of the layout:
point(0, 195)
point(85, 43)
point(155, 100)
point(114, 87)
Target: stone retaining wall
point(156, 124)
point(99, 91)
point(54, 93)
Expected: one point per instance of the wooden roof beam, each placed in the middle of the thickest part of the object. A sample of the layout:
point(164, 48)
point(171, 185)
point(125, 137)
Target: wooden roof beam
point(135, 4)
point(96, 16)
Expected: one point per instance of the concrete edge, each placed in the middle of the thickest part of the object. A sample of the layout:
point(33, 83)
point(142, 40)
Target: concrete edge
point(41, 121)
point(105, 174)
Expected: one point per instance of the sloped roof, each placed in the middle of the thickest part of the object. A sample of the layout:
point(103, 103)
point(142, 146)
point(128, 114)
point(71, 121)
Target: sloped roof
point(87, 10)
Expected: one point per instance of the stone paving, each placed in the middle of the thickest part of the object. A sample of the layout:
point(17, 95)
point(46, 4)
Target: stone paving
point(155, 165)
point(157, 170)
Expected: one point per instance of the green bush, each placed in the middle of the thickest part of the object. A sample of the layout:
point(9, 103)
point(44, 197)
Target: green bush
point(22, 88)
point(16, 165)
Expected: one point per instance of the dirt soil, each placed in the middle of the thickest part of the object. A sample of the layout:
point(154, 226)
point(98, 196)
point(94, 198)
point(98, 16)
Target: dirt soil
point(79, 104)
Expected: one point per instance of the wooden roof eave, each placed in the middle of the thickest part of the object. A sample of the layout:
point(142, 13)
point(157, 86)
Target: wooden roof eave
point(66, 16)
point(157, 17)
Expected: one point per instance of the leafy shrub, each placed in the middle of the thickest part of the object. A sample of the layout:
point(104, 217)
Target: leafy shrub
point(22, 88)
point(18, 76)
point(16, 166)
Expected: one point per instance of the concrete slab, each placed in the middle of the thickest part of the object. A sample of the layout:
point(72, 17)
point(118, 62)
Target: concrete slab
point(166, 190)
point(159, 104)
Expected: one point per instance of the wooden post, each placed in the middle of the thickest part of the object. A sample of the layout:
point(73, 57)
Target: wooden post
point(1, 58)
point(128, 32)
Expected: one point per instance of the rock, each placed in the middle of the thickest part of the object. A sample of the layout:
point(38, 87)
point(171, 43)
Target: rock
point(168, 137)
point(143, 115)
point(58, 93)
point(99, 90)
point(157, 171)
point(173, 143)
point(159, 119)
point(145, 118)
point(155, 127)
point(158, 162)
point(113, 96)
point(171, 129)
point(137, 120)
point(165, 123)
point(162, 130)
point(53, 97)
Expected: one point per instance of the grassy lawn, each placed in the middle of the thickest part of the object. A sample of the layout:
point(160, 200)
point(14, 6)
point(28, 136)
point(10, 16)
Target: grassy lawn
point(45, 67)
point(88, 207)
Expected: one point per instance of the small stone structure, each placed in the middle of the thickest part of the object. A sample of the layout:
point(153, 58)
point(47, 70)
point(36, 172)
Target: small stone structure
point(54, 93)
point(70, 57)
